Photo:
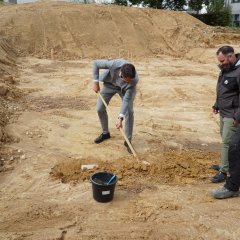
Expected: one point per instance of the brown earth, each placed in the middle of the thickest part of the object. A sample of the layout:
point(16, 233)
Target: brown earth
point(72, 30)
point(48, 110)
point(8, 90)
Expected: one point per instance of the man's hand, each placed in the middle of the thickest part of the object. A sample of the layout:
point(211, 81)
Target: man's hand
point(235, 122)
point(215, 111)
point(119, 123)
point(96, 87)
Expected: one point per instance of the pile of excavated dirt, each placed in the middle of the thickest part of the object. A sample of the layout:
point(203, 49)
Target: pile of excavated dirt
point(226, 35)
point(64, 30)
point(186, 166)
point(72, 30)
point(8, 73)
point(8, 90)
point(8, 66)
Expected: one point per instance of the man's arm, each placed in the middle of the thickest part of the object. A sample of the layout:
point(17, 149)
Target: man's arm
point(100, 64)
point(215, 108)
point(97, 65)
point(237, 114)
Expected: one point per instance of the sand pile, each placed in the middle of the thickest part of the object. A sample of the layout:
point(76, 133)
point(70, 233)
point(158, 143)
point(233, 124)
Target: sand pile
point(226, 35)
point(8, 73)
point(170, 167)
point(73, 30)
point(7, 61)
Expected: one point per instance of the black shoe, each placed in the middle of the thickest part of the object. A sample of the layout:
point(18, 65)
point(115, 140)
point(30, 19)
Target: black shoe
point(128, 148)
point(219, 177)
point(215, 167)
point(102, 137)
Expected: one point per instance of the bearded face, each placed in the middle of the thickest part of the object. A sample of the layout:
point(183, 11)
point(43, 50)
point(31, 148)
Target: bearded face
point(226, 61)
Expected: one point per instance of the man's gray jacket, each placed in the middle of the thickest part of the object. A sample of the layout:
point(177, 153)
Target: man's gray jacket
point(110, 77)
point(228, 92)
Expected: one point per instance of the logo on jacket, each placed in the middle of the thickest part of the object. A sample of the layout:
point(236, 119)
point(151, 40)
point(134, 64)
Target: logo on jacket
point(226, 82)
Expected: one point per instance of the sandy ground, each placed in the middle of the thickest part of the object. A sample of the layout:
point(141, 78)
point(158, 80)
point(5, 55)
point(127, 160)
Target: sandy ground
point(54, 125)
point(49, 106)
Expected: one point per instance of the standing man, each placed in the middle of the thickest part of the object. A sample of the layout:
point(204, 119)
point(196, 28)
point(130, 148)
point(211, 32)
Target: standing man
point(227, 104)
point(231, 187)
point(119, 77)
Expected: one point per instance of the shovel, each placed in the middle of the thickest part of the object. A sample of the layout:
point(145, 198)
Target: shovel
point(121, 130)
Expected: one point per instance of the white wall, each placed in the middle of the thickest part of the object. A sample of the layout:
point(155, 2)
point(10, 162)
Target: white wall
point(235, 8)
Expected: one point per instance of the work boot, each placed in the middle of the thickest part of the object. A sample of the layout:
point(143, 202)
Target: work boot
point(102, 137)
point(215, 167)
point(222, 193)
point(128, 148)
point(219, 177)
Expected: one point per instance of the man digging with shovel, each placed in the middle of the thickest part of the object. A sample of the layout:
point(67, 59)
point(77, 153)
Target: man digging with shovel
point(119, 77)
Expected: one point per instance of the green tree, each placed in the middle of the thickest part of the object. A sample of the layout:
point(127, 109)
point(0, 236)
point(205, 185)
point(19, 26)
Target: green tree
point(121, 2)
point(196, 5)
point(175, 4)
point(218, 14)
point(148, 3)
point(215, 5)
point(161, 4)
point(223, 12)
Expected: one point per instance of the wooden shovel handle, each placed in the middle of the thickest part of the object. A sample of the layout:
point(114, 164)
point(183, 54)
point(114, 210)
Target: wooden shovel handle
point(121, 130)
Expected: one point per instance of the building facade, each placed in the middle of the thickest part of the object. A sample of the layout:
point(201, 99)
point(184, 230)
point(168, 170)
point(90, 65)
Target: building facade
point(10, 1)
point(235, 5)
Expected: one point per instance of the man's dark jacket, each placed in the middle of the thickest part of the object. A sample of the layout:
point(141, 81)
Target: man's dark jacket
point(228, 92)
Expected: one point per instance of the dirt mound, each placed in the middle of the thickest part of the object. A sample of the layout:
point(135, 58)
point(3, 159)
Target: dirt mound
point(170, 167)
point(7, 61)
point(225, 35)
point(73, 30)
point(8, 72)
point(8, 92)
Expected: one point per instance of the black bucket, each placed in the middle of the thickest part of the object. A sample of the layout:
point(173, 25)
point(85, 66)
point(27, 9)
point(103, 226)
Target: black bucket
point(103, 185)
